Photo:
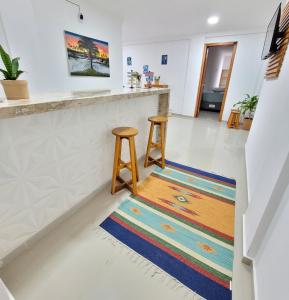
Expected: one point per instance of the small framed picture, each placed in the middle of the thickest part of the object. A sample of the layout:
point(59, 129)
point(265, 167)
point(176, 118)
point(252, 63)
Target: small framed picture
point(129, 61)
point(164, 59)
point(145, 69)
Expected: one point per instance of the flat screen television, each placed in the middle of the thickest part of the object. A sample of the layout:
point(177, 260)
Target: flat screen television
point(272, 35)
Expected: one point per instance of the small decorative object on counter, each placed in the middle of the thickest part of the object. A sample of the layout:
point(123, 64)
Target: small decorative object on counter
point(130, 79)
point(156, 83)
point(148, 85)
point(14, 89)
point(247, 108)
point(137, 76)
point(149, 79)
point(157, 80)
point(134, 79)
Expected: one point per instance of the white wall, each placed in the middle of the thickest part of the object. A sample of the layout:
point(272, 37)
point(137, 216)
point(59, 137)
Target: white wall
point(266, 218)
point(267, 147)
point(247, 71)
point(174, 73)
point(271, 263)
point(193, 74)
point(35, 31)
point(184, 64)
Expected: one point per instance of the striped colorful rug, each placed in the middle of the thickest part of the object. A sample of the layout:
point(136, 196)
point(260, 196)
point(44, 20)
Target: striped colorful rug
point(182, 220)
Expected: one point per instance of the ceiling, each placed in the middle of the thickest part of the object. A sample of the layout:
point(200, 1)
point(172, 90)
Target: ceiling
point(147, 20)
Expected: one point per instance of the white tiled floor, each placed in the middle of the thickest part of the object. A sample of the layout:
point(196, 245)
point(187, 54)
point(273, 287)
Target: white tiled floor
point(75, 262)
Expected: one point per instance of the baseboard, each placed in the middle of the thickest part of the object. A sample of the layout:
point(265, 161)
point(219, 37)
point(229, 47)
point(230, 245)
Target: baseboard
point(247, 176)
point(255, 289)
point(245, 258)
point(182, 116)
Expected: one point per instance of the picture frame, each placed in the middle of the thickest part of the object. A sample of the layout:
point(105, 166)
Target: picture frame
point(145, 69)
point(164, 59)
point(129, 61)
point(87, 56)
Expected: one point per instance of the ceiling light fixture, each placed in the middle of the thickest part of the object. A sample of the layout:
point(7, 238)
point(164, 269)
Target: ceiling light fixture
point(213, 20)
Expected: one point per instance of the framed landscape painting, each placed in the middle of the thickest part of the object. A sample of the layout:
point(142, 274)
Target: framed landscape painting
point(86, 56)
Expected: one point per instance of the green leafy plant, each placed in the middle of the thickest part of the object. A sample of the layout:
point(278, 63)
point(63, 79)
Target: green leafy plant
point(248, 106)
point(12, 71)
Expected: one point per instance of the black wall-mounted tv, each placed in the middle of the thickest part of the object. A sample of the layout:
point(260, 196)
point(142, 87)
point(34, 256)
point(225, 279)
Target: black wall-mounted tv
point(272, 35)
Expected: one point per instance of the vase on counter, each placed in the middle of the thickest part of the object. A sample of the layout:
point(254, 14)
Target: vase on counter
point(157, 80)
point(15, 89)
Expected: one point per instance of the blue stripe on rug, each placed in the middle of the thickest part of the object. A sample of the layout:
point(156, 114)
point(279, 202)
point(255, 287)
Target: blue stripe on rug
point(200, 172)
point(198, 283)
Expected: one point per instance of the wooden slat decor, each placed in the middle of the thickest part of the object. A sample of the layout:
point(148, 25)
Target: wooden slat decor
point(276, 61)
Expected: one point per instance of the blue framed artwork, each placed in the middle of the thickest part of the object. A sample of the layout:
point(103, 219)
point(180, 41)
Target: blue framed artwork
point(129, 61)
point(145, 69)
point(164, 59)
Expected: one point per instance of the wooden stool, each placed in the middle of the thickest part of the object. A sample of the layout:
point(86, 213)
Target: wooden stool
point(234, 119)
point(162, 122)
point(129, 134)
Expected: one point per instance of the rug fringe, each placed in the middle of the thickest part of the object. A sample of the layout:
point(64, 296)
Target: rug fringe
point(148, 268)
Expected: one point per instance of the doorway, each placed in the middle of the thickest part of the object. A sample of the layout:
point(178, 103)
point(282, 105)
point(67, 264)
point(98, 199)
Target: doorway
point(216, 70)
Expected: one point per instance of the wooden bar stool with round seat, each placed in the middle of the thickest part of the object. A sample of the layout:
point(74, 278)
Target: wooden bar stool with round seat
point(127, 133)
point(161, 121)
point(234, 119)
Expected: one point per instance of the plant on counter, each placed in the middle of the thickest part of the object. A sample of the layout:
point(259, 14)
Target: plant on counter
point(14, 89)
point(12, 71)
point(247, 108)
point(157, 80)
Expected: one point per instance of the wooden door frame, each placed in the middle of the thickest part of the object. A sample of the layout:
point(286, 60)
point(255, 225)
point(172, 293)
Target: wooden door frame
point(203, 73)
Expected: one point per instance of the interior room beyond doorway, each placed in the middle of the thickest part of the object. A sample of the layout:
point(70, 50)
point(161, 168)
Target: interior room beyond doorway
point(215, 76)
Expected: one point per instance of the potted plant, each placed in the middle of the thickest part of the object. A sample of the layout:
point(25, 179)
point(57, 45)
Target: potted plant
point(14, 89)
point(157, 80)
point(247, 108)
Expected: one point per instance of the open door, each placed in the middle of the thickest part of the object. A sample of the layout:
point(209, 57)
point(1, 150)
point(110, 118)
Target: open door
point(224, 76)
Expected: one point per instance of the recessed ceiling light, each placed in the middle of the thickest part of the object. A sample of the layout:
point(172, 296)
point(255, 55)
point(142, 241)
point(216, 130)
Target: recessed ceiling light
point(213, 20)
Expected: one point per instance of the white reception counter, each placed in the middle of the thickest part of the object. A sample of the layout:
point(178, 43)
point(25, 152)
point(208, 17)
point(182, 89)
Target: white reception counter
point(57, 151)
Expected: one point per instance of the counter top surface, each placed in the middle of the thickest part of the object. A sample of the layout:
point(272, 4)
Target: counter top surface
point(51, 102)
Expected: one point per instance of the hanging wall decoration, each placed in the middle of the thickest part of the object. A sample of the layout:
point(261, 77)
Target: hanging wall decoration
point(164, 59)
point(149, 76)
point(129, 61)
point(87, 56)
point(145, 69)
